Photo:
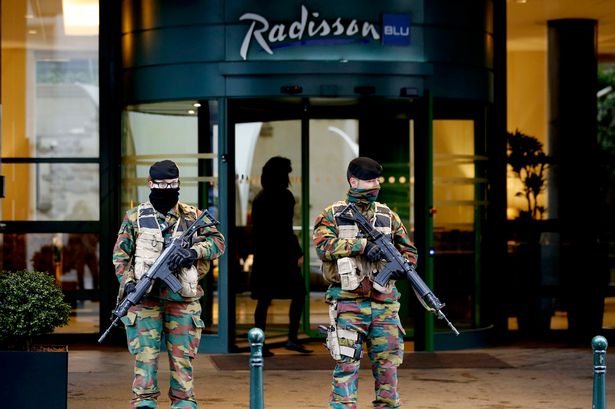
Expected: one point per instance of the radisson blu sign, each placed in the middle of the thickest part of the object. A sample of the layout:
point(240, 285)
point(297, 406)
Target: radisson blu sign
point(310, 29)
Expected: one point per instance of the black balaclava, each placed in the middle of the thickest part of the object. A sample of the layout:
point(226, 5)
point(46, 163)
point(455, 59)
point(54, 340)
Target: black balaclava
point(164, 200)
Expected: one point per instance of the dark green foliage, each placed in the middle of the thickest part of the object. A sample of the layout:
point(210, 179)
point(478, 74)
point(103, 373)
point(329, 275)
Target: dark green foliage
point(529, 163)
point(31, 304)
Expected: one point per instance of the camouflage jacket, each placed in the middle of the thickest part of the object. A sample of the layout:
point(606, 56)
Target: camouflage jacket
point(209, 248)
point(330, 247)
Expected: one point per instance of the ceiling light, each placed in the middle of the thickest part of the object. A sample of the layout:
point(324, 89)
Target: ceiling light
point(191, 111)
point(80, 17)
point(196, 105)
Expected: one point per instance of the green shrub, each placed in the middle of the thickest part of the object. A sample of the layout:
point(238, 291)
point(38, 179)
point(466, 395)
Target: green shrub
point(31, 304)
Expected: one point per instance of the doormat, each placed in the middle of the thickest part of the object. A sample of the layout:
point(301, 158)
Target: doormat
point(324, 362)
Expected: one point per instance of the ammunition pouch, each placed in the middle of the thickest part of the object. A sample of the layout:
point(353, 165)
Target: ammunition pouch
point(348, 274)
point(188, 277)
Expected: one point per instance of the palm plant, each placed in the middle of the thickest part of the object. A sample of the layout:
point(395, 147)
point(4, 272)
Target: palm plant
point(529, 163)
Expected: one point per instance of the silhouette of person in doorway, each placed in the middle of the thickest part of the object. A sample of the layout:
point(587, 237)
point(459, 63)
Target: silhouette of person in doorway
point(276, 272)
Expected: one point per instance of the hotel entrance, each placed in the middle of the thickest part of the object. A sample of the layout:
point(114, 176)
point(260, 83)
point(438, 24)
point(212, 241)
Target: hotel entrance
point(320, 136)
point(415, 104)
point(434, 178)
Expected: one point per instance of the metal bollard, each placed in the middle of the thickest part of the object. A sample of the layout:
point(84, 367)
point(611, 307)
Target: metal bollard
point(599, 346)
point(256, 337)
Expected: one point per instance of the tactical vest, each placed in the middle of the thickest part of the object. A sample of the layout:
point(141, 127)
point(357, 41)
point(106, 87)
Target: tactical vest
point(348, 229)
point(150, 245)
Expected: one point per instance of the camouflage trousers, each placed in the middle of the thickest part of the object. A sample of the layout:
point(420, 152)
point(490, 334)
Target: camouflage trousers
point(378, 324)
point(181, 324)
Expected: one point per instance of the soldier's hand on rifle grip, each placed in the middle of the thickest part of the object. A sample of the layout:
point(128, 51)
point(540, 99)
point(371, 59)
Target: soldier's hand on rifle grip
point(183, 258)
point(129, 287)
point(398, 275)
point(372, 252)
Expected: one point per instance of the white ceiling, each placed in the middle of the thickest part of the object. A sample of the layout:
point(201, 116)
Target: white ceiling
point(527, 22)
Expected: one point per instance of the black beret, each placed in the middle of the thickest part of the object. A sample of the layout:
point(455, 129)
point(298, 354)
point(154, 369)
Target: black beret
point(164, 169)
point(364, 168)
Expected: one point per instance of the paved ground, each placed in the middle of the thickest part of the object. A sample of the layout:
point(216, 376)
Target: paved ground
point(538, 377)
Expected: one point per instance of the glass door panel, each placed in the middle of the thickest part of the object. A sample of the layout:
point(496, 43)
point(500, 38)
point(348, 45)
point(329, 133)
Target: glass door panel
point(333, 143)
point(456, 203)
point(320, 139)
point(255, 144)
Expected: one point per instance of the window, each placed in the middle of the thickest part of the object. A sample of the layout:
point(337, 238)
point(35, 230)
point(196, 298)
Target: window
point(50, 147)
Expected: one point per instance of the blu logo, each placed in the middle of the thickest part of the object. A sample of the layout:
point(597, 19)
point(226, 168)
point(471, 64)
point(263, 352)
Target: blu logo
point(396, 29)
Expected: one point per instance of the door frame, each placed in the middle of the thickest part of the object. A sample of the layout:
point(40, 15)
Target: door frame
point(260, 109)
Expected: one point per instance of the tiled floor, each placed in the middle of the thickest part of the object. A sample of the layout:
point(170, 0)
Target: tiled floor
point(537, 377)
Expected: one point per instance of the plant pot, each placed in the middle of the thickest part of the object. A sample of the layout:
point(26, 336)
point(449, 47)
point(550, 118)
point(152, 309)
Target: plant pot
point(34, 379)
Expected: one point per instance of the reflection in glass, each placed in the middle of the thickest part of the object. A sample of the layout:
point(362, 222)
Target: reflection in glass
point(53, 192)
point(49, 80)
point(50, 103)
point(73, 261)
point(71, 258)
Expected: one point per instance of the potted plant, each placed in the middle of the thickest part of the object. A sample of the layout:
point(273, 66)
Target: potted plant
point(34, 376)
point(529, 163)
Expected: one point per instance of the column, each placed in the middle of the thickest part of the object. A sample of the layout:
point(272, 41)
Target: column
point(572, 82)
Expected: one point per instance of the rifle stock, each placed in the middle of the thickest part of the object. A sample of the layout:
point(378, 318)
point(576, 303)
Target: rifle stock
point(396, 262)
point(159, 270)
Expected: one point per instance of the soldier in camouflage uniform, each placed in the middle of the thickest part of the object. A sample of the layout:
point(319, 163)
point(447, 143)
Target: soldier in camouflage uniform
point(141, 239)
point(359, 309)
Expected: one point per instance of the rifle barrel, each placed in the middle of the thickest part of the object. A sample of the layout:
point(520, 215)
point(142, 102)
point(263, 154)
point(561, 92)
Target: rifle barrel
point(450, 324)
point(104, 335)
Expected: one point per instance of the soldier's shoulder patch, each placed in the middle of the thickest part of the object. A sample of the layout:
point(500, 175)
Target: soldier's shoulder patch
point(337, 207)
point(132, 214)
point(382, 208)
point(188, 209)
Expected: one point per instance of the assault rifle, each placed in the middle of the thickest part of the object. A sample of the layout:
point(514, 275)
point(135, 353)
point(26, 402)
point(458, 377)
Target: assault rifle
point(159, 270)
point(396, 262)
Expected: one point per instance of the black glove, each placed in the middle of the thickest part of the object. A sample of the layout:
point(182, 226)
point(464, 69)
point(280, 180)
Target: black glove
point(372, 252)
point(129, 287)
point(398, 275)
point(183, 258)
